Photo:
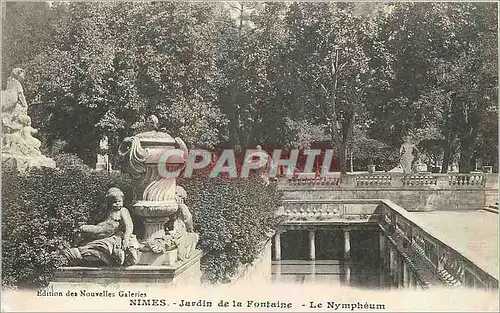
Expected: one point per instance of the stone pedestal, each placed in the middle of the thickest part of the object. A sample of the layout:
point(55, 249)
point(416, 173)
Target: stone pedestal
point(186, 273)
point(103, 163)
point(155, 259)
point(23, 163)
point(155, 214)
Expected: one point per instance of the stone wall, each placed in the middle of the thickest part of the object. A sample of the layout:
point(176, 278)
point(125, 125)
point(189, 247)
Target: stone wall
point(417, 193)
point(259, 271)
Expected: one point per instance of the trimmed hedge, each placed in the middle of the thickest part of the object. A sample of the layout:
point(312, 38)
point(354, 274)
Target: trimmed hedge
point(41, 212)
point(233, 217)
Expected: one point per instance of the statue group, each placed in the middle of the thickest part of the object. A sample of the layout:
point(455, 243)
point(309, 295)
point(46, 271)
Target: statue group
point(112, 242)
point(18, 144)
point(168, 223)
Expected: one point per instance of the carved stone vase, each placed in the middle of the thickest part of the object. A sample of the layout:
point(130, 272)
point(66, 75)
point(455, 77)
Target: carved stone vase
point(144, 156)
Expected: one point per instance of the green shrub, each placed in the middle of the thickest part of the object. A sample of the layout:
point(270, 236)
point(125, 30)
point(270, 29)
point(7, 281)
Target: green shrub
point(233, 218)
point(66, 161)
point(40, 213)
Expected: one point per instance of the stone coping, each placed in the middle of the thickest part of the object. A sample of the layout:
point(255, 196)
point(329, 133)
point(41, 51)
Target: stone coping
point(305, 187)
point(340, 201)
point(145, 271)
point(478, 262)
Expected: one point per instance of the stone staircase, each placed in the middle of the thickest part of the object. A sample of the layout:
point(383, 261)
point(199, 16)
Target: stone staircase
point(492, 208)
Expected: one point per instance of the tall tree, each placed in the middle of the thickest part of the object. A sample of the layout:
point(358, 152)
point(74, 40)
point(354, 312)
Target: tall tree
point(330, 67)
point(445, 70)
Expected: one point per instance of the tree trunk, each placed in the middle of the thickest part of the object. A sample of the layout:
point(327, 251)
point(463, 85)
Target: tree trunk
point(341, 153)
point(446, 158)
point(465, 155)
point(448, 153)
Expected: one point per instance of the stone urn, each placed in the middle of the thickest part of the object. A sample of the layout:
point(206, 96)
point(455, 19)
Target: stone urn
point(147, 156)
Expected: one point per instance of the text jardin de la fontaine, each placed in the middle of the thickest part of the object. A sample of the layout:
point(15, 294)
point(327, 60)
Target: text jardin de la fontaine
point(138, 298)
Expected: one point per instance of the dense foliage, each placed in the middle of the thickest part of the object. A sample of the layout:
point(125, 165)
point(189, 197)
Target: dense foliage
point(41, 212)
point(275, 74)
point(234, 217)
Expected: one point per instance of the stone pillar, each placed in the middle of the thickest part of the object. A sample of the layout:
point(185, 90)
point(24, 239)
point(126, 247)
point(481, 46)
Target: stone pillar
point(312, 246)
point(391, 261)
point(277, 274)
point(277, 246)
point(490, 189)
point(347, 244)
point(397, 179)
point(395, 273)
point(405, 273)
point(347, 273)
point(411, 278)
point(401, 272)
point(313, 271)
point(381, 247)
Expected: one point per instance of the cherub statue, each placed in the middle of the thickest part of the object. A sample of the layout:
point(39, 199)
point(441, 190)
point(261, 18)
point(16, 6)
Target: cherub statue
point(179, 229)
point(112, 241)
point(187, 217)
point(180, 238)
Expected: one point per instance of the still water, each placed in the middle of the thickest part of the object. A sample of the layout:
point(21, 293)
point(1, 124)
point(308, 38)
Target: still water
point(362, 269)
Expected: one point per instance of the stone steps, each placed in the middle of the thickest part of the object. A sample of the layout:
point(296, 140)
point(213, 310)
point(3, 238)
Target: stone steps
point(492, 208)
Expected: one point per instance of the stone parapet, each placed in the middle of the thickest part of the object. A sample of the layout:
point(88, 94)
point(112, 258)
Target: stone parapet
point(186, 273)
point(259, 271)
point(451, 264)
point(415, 192)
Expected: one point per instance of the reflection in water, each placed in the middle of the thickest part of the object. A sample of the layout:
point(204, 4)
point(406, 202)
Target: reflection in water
point(362, 269)
point(336, 272)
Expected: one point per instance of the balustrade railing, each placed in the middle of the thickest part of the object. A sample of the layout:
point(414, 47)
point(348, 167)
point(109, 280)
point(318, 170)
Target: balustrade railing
point(419, 180)
point(466, 180)
point(319, 181)
point(357, 209)
point(445, 263)
point(392, 180)
point(373, 180)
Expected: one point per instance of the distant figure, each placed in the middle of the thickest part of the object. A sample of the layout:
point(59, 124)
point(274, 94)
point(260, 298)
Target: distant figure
point(102, 155)
point(407, 156)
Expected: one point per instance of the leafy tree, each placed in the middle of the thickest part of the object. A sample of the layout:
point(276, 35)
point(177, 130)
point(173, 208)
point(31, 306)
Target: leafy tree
point(249, 42)
point(440, 76)
point(330, 67)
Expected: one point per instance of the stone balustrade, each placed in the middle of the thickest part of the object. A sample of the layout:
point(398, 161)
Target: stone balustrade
point(438, 262)
point(373, 180)
point(466, 179)
point(355, 209)
point(321, 181)
point(391, 180)
point(415, 192)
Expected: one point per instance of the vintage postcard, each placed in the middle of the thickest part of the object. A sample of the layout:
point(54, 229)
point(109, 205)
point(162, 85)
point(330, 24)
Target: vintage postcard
point(316, 156)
